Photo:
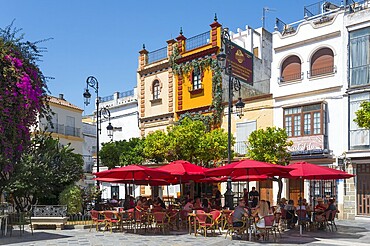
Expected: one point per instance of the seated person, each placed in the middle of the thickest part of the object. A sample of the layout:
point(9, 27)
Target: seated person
point(290, 214)
point(239, 213)
point(197, 203)
point(206, 206)
point(114, 201)
point(189, 205)
point(160, 203)
point(320, 211)
point(261, 211)
point(331, 207)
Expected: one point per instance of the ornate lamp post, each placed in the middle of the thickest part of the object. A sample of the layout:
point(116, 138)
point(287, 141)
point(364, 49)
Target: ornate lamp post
point(92, 82)
point(234, 84)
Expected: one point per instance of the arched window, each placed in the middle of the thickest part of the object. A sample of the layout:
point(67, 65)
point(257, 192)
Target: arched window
point(291, 69)
point(322, 62)
point(156, 89)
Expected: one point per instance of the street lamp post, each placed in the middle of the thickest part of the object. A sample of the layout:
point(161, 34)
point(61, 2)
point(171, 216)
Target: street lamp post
point(92, 82)
point(234, 84)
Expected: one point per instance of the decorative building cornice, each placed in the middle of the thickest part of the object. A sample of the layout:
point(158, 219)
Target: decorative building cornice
point(155, 69)
point(197, 55)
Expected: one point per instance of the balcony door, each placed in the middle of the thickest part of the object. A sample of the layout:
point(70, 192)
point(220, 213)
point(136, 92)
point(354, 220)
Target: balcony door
point(243, 130)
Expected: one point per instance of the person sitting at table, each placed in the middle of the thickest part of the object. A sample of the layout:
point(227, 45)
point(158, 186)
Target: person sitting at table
point(197, 203)
point(160, 202)
point(139, 203)
point(261, 211)
point(189, 205)
point(206, 206)
point(331, 207)
point(114, 201)
point(238, 214)
point(290, 214)
point(320, 212)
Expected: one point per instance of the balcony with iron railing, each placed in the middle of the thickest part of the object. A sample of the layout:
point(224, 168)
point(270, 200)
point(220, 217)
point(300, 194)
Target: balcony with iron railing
point(157, 55)
point(61, 129)
point(197, 41)
point(321, 7)
point(291, 77)
point(321, 71)
point(126, 94)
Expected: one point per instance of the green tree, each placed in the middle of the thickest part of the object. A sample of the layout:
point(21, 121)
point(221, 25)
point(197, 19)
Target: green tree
point(270, 145)
point(121, 153)
point(184, 140)
point(72, 197)
point(363, 115)
point(43, 172)
point(155, 146)
point(213, 147)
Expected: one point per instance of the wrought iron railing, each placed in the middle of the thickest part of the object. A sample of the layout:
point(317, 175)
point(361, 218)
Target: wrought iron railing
point(291, 77)
point(286, 29)
point(72, 131)
point(197, 41)
point(157, 55)
point(322, 71)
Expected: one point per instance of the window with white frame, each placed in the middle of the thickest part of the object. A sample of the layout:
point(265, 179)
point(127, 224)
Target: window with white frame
point(197, 79)
point(156, 89)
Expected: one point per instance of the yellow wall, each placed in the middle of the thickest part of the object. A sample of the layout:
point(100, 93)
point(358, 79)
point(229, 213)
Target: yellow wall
point(192, 101)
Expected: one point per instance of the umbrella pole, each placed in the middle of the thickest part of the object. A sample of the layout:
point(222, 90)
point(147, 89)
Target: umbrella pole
point(300, 207)
point(168, 196)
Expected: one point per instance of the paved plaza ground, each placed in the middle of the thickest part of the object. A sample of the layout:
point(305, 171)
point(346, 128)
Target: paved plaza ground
point(349, 233)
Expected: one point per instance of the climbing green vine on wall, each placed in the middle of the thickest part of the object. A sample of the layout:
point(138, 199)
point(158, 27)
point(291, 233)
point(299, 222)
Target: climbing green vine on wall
point(214, 120)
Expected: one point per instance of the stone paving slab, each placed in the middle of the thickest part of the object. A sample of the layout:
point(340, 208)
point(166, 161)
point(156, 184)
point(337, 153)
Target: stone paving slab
point(349, 233)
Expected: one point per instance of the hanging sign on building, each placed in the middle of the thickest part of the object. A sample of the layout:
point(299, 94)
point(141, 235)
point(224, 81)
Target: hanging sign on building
point(241, 62)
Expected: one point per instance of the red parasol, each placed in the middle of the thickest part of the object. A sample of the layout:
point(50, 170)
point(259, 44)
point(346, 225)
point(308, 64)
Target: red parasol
point(134, 172)
point(307, 170)
point(184, 170)
point(152, 182)
point(248, 167)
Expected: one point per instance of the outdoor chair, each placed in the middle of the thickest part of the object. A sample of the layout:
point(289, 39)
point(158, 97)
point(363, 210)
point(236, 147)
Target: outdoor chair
point(184, 218)
point(216, 217)
point(330, 220)
point(238, 230)
point(111, 218)
point(20, 219)
point(267, 228)
point(204, 221)
point(291, 218)
point(303, 218)
point(173, 216)
point(161, 221)
point(96, 219)
point(140, 219)
point(283, 220)
point(192, 221)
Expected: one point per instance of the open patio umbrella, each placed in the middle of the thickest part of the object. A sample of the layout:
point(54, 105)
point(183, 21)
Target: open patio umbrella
point(135, 173)
point(184, 171)
point(305, 170)
point(246, 168)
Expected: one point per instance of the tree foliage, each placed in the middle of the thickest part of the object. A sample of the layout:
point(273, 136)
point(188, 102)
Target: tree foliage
point(363, 115)
point(72, 197)
point(188, 140)
point(156, 146)
point(270, 145)
point(121, 153)
point(43, 172)
point(22, 94)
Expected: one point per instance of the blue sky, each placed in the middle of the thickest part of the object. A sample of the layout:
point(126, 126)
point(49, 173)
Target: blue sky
point(103, 37)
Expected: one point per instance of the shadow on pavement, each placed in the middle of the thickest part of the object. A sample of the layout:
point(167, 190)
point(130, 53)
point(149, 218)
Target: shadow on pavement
point(28, 237)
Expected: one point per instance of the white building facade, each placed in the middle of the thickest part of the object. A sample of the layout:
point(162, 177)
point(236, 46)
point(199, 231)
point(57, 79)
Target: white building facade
point(124, 117)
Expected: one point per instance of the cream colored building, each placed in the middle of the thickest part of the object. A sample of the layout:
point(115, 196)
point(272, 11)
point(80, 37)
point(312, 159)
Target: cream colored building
point(66, 123)
point(155, 89)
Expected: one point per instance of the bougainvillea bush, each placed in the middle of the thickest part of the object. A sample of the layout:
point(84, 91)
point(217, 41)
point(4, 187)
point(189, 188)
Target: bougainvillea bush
point(22, 93)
